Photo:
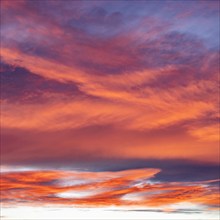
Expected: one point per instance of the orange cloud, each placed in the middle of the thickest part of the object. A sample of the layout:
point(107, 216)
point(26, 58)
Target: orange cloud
point(83, 189)
point(137, 109)
point(206, 133)
point(156, 91)
point(129, 109)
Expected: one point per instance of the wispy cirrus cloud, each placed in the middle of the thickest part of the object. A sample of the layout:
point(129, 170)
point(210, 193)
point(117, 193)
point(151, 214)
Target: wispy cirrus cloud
point(110, 86)
point(127, 70)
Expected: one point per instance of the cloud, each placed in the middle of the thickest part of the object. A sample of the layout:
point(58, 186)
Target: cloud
point(110, 87)
point(121, 188)
point(139, 78)
point(131, 108)
point(130, 98)
point(206, 133)
point(18, 85)
point(71, 148)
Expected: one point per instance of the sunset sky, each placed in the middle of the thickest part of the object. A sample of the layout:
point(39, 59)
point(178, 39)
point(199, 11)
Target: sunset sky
point(110, 109)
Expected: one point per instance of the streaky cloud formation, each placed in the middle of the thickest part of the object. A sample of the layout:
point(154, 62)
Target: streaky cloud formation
point(110, 106)
point(121, 188)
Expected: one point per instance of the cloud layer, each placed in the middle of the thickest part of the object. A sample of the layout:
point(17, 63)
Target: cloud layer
point(106, 65)
point(109, 86)
point(128, 188)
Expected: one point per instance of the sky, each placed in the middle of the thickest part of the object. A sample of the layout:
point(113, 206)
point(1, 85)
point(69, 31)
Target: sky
point(110, 109)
